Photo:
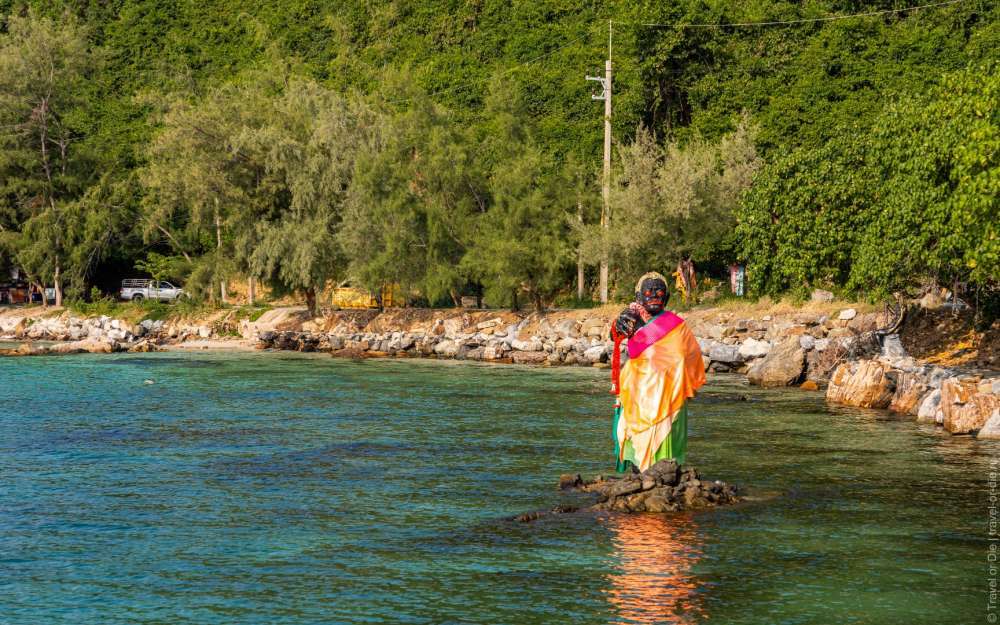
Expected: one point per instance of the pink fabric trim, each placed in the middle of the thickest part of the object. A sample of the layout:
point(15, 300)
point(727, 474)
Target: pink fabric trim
point(659, 327)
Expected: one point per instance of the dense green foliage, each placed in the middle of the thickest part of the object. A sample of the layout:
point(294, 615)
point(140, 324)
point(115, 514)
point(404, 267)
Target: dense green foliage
point(453, 147)
point(917, 195)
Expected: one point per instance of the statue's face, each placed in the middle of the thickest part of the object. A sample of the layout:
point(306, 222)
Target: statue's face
point(653, 295)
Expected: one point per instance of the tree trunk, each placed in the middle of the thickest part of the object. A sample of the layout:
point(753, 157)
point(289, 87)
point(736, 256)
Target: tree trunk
point(456, 299)
point(311, 300)
point(514, 305)
point(536, 297)
point(57, 285)
point(174, 241)
point(250, 294)
point(41, 290)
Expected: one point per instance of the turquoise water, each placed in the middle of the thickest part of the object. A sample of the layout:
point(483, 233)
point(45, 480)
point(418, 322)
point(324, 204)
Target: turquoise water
point(285, 488)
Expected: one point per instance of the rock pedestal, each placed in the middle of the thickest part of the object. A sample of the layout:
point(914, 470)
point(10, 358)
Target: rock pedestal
point(664, 487)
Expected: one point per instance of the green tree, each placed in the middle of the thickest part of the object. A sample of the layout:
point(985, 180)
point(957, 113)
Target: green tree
point(44, 67)
point(675, 200)
point(256, 175)
point(414, 201)
point(308, 147)
point(939, 158)
point(199, 183)
point(522, 245)
point(800, 221)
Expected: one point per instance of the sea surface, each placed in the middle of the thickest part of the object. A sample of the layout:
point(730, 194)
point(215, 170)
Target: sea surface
point(300, 489)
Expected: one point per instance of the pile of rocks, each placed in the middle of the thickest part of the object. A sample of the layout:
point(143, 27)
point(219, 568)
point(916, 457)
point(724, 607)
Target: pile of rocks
point(804, 347)
point(70, 328)
point(663, 487)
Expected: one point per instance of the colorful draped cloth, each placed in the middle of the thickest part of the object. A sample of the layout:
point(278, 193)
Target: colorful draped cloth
point(663, 371)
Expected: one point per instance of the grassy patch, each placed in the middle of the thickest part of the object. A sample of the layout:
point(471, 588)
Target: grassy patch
point(251, 313)
point(573, 303)
point(134, 312)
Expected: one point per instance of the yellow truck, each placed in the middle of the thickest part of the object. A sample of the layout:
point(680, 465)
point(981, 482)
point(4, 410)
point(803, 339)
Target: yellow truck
point(347, 296)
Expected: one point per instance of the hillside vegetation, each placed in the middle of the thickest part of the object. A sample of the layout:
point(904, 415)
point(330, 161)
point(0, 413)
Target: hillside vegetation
point(453, 147)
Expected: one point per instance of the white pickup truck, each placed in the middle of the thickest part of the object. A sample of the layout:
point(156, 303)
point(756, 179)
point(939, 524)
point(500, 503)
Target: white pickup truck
point(143, 288)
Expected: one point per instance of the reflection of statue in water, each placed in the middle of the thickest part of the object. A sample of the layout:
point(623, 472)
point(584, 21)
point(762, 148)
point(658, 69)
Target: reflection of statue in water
point(654, 583)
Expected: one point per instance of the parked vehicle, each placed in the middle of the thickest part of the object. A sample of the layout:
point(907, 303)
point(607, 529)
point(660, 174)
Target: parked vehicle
point(16, 292)
point(347, 296)
point(143, 288)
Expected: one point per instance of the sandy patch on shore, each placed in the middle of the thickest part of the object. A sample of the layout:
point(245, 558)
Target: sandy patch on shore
point(229, 345)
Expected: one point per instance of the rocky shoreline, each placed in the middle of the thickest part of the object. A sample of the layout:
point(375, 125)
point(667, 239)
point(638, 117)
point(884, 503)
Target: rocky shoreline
point(844, 351)
point(99, 335)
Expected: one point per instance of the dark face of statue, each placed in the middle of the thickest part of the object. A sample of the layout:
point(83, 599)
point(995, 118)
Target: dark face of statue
point(653, 295)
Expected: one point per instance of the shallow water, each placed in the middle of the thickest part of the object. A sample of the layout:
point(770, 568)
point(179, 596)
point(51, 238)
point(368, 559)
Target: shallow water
point(286, 488)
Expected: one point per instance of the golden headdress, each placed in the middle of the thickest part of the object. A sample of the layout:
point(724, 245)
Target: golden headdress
point(649, 275)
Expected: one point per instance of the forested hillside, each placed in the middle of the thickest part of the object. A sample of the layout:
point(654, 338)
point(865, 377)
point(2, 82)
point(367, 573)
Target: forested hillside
point(453, 147)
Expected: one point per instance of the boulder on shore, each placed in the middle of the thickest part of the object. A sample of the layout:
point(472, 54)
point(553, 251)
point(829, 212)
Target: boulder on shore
point(965, 408)
point(863, 383)
point(752, 348)
point(930, 407)
point(781, 367)
point(820, 295)
point(910, 390)
point(991, 429)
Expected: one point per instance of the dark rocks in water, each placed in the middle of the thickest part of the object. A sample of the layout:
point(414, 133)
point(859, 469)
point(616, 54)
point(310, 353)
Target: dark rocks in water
point(570, 481)
point(528, 517)
point(664, 487)
point(308, 342)
point(664, 472)
point(288, 341)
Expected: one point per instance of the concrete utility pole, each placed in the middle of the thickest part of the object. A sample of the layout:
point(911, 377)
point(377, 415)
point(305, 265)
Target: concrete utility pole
point(218, 240)
point(606, 178)
point(580, 276)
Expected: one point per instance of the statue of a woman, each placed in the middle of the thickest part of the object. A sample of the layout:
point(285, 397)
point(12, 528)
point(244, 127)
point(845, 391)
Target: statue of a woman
point(663, 371)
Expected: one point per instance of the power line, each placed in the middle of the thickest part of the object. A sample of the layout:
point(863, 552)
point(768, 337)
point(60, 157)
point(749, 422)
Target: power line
point(811, 20)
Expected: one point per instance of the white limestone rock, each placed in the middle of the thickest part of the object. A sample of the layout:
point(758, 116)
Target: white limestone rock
point(753, 348)
point(991, 430)
point(930, 407)
point(847, 314)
